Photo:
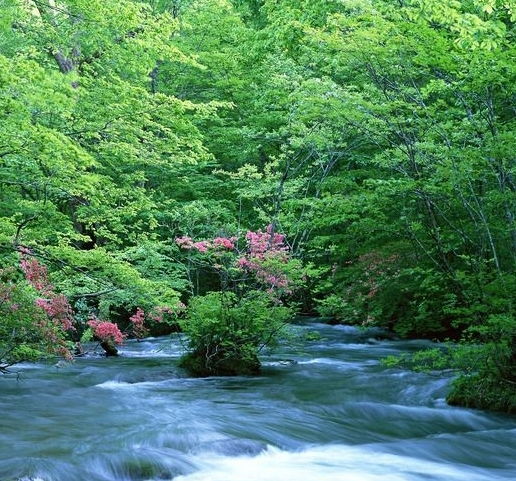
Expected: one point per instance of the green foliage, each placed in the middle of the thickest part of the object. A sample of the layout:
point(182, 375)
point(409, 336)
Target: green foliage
point(25, 333)
point(488, 364)
point(225, 333)
point(87, 335)
point(483, 392)
point(446, 356)
point(312, 336)
point(88, 143)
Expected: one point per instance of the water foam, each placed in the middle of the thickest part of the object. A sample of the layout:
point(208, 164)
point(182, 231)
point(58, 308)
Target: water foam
point(329, 463)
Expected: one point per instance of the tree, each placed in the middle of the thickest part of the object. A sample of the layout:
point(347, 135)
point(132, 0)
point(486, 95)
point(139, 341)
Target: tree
point(430, 207)
point(87, 143)
point(228, 327)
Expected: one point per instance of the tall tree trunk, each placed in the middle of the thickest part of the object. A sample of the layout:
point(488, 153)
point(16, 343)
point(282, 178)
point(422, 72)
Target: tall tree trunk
point(47, 11)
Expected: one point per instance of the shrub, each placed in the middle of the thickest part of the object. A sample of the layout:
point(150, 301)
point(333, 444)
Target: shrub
point(227, 329)
point(225, 333)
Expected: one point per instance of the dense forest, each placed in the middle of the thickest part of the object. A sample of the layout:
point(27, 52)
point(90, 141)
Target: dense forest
point(218, 167)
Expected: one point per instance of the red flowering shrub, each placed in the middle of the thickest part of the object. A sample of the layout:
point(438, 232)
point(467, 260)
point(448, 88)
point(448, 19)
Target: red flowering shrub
point(227, 329)
point(138, 323)
point(106, 331)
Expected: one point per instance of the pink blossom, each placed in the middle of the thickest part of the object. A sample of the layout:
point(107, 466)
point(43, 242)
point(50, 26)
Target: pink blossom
point(157, 312)
point(201, 246)
point(185, 242)
point(265, 253)
point(244, 263)
point(259, 243)
point(36, 274)
point(138, 320)
point(224, 242)
point(106, 331)
point(58, 309)
point(261, 248)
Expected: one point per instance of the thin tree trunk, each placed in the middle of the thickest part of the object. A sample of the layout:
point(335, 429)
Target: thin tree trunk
point(46, 11)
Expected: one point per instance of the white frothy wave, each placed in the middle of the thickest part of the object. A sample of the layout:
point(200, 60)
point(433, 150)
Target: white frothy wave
point(328, 463)
point(114, 385)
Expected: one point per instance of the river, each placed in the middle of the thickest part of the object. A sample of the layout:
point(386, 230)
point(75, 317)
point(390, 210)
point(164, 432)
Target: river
point(322, 410)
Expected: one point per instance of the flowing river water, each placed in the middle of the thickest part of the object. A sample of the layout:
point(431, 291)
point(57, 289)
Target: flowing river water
point(323, 410)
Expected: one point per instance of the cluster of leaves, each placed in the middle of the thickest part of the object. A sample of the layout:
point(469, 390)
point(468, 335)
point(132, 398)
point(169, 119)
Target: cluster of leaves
point(487, 377)
point(226, 329)
point(225, 332)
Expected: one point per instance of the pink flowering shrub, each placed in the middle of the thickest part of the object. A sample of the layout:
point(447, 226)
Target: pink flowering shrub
point(218, 243)
point(58, 315)
point(227, 329)
point(267, 257)
point(265, 262)
point(58, 309)
point(224, 242)
point(35, 272)
point(56, 306)
point(31, 327)
point(138, 323)
point(261, 244)
point(106, 331)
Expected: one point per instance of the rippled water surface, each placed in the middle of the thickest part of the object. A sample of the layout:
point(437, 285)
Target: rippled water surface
point(324, 410)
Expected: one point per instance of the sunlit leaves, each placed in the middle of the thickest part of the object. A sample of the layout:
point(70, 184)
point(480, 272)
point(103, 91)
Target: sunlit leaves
point(89, 148)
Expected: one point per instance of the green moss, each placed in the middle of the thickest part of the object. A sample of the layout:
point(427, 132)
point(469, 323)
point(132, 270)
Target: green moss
point(222, 364)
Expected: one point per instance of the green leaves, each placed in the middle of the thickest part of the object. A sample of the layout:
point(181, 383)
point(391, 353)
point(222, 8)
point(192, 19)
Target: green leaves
point(89, 149)
point(226, 333)
point(364, 130)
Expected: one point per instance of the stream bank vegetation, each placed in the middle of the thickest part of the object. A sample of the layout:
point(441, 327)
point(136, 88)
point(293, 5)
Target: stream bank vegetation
point(376, 139)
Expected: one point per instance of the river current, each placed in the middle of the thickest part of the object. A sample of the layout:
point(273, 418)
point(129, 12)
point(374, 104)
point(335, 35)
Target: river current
point(322, 410)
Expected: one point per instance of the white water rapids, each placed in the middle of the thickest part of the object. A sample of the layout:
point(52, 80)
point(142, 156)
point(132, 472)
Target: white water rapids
point(324, 410)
